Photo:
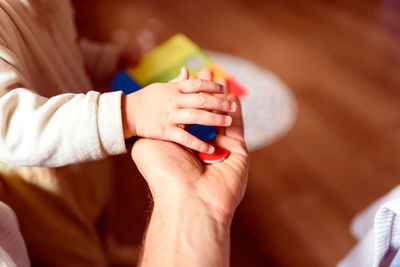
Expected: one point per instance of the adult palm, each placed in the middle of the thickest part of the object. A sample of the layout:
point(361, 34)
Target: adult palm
point(174, 173)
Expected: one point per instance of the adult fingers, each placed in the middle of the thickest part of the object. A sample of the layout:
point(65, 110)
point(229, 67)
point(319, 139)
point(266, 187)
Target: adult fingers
point(236, 129)
point(224, 83)
point(205, 74)
point(233, 145)
point(183, 75)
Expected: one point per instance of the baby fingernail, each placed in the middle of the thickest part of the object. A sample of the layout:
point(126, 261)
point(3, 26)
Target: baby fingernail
point(228, 120)
point(210, 150)
point(233, 107)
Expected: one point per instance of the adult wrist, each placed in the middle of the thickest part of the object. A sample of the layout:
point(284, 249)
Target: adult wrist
point(189, 201)
point(185, 235)
point(190, 214)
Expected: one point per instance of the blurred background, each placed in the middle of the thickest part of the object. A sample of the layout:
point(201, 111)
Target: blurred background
point(340, 59)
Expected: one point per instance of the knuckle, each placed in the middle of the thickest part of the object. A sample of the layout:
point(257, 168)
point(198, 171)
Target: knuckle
point(225, 104)
point(185, 139)
point(193, 115)
point(196, 83)
point(201, 99)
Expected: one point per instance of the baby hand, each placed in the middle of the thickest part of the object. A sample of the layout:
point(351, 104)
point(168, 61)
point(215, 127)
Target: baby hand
point(160, 110)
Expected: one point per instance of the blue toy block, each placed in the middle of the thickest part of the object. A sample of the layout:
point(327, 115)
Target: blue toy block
point(203, 132)
point(125, 83)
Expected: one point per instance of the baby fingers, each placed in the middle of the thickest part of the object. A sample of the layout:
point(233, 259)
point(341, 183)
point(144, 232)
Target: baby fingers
point(184, 138)
point(196, 116)
point(206, 101)
point(197, 85)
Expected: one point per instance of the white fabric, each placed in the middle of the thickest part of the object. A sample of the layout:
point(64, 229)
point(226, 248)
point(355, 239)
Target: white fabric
point(378, 232)
point(101, 58)
point(364, 221)
point(12, 246)
point(45, 120)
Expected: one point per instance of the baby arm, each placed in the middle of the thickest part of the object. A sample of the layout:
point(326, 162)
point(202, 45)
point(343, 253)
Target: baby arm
point(56, 131)
point(161, 110)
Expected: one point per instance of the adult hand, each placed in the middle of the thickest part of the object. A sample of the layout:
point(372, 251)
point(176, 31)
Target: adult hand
point(175, 174)
point(193, 203)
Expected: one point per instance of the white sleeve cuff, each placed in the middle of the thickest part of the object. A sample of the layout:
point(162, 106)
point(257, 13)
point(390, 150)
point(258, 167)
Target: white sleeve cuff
point(110, 123)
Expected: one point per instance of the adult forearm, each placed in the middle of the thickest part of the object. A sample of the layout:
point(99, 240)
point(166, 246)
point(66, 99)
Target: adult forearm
point(186, 234)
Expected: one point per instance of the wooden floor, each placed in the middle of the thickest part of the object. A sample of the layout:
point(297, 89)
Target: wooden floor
point(342, 61)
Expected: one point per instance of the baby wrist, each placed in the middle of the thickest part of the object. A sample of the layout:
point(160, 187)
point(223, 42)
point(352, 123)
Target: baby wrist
point(127, 115)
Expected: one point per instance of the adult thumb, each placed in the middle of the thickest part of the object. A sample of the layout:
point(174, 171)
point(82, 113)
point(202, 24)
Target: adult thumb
point(183, 75)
